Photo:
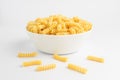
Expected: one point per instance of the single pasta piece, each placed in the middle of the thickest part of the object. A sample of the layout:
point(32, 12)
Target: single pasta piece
point(60, 58)
point(97, 59)
point(46, 67)
point(32, 54)
point(77, 68)
point(31, 63)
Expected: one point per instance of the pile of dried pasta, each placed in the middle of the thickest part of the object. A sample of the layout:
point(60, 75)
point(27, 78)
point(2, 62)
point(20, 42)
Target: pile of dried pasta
point(59, 25)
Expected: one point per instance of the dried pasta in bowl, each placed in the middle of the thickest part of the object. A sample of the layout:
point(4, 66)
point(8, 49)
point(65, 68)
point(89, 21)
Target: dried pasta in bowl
point(59, 25)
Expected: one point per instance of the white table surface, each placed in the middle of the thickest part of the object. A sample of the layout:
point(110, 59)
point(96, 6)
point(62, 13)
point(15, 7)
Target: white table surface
point(103, 42)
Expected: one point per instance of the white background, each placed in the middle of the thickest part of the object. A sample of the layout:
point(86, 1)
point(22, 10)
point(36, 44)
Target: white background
point(104, 40)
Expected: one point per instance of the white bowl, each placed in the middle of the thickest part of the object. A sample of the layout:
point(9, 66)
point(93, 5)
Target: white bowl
point(60, 44)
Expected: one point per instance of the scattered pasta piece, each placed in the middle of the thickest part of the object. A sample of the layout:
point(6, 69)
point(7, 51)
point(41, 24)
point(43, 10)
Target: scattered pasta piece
point(46, 67)
point(32, 54)
point(31, 63)
point(60, 58)
point(97, 59)
point(77, 68)
point(59, 25)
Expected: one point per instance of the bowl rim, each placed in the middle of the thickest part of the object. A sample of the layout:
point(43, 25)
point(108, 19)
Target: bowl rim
point(59, 35)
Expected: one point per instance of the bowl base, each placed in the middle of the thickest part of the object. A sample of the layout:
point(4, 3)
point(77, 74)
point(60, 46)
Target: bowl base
point(57, 53)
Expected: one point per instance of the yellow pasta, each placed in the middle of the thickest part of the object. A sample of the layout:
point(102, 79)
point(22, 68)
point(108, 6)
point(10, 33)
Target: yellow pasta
point(59, 25)
point(60, 58)
point(32, 54)
point(46, 67)
point(97, 59)
point(31, 63)
point(77, 68)
point(62, 33)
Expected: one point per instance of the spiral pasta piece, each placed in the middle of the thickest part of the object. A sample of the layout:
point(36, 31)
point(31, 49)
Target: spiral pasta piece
point(31, 63)
point(46, 67)
point(77, 68)
point(32, 54)
point(97, 59)
point(60, 58)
